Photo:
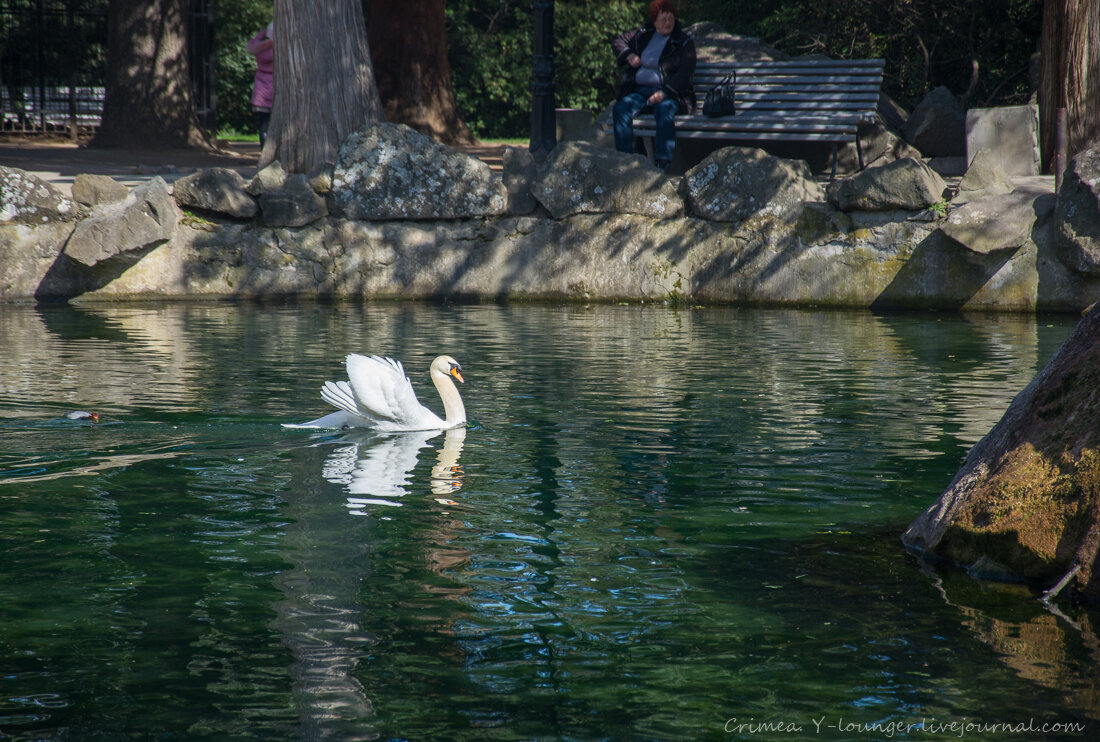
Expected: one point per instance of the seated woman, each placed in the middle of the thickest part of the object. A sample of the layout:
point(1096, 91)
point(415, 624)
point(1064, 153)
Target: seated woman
point(657, 64)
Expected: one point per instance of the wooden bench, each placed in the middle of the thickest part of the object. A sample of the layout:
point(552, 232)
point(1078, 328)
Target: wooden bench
point(813, 100)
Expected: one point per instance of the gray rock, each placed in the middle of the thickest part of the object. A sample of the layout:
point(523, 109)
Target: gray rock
point(1077, 215)
point(937, 126)
point(906, 184)
point(985, 177)
point(390, 171)
point(270, 178)
point(320, 177)
point(583, 178)
point(27, 199)
point(147, 217)
point(998, 222)
point(28, 255)
point(734, 183)
point(93, 190)
point(296, 204)
point(1009, 133)
point(519, 173)
point(217, 189)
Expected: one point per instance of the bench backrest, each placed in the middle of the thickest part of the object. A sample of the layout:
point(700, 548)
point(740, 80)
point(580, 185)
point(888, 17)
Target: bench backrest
point(798, 86)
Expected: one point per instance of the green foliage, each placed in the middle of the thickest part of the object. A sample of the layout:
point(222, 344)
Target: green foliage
point(926, 43)
point(490, 44)
point(236, 22)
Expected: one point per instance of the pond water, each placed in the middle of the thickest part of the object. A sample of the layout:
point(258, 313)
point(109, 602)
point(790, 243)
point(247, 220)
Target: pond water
point(659, 524)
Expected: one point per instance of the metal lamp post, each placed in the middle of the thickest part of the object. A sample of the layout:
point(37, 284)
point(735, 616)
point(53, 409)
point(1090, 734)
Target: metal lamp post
point(543, 124)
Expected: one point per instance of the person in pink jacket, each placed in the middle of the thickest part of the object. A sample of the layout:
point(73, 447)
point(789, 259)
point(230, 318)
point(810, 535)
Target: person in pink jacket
point(263, 85)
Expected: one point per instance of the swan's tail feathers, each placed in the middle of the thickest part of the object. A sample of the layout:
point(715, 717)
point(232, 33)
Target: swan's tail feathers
point(339, 395)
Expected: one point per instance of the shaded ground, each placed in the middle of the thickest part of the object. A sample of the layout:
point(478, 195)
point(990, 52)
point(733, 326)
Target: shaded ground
point(59, 161)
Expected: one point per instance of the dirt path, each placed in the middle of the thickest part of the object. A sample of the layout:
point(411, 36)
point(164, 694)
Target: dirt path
point(59, 162)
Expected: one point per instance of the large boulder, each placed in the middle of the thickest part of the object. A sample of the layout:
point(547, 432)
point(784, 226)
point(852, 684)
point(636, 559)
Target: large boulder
point(390, 171)
point(1077, 215)
point(937, 126)
point(217, 189)
point(27, 199)
point(583, 178)
point(906, 184)
point(295, 204)
point(147, 217)
point(999, 222)
point(734, 183)
point(1025, 500)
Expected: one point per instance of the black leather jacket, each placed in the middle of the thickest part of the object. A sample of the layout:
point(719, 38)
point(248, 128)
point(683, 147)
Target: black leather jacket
point(677, 63)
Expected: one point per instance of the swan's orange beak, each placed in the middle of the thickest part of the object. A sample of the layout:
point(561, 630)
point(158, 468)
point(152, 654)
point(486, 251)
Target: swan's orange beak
point(457, 374)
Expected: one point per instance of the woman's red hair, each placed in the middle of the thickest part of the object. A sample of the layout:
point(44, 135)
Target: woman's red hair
point(660, 6)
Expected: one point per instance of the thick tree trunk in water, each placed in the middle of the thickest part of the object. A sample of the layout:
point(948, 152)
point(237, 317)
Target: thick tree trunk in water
point(324, 85)
point(1070, 74)
point(148, 101)
point(408, 40)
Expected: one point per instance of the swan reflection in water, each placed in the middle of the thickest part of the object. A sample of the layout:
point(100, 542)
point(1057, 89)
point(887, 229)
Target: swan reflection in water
point(376, 469)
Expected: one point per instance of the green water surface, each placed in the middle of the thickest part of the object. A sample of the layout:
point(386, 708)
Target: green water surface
point(659, 524)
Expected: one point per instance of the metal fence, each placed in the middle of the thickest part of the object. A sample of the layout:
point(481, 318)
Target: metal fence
point(53, 64)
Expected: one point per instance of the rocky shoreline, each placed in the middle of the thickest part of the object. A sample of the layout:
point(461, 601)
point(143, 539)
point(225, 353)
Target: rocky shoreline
point(399, 216)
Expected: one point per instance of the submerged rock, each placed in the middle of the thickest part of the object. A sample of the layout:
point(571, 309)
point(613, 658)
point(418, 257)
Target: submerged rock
point(1028, 496)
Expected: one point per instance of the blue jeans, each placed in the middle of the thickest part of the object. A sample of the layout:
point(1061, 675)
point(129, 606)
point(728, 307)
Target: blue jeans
point(664, 112)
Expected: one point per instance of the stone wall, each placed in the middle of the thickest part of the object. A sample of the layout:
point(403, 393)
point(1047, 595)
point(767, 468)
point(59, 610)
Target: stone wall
point(399, 216)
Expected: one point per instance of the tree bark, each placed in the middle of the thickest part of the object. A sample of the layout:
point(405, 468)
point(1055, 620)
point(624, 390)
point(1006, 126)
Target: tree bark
point(324, 84)
point(408, 41)
point(148, 101)
point(1069, 75)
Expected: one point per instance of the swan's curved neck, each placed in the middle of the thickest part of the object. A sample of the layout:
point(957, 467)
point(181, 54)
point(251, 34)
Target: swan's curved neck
point(454, 411)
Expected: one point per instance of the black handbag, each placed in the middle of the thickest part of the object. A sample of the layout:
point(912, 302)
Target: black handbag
point(719, 99)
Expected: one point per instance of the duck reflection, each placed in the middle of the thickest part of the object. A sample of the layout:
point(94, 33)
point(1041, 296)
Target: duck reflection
point(376, 469)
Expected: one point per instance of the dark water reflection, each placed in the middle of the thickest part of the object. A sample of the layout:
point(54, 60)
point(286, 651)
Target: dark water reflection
point(657, 521)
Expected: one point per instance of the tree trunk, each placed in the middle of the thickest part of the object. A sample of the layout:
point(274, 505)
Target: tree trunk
point(148, 102)
point(324, 84)
point(408, 40)
point(1069, 75)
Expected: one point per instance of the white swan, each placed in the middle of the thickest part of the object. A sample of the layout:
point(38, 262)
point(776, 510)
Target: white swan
point(378, 395)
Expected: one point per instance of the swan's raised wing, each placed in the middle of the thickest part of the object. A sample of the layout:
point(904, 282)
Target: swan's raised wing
point(378, 390)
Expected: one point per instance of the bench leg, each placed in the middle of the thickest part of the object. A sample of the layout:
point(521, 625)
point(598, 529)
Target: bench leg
point(832, 175)
point(859, 153)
